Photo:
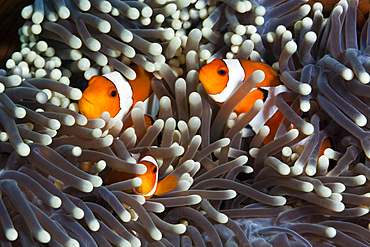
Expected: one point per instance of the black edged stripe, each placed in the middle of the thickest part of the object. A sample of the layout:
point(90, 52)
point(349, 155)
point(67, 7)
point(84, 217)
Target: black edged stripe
point(265, 93)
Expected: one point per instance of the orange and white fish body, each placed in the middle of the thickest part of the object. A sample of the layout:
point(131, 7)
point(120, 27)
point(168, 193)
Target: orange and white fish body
point(111, 92)
point(222, 77)
point(150, 185)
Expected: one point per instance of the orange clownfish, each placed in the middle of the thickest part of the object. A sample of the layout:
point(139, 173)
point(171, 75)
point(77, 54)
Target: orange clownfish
point(149, 185)
point(221, 77)
point(113, 93)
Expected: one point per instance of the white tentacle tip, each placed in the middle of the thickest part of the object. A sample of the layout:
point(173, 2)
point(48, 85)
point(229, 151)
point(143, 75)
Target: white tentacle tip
point(304, 89)
point(364, 77)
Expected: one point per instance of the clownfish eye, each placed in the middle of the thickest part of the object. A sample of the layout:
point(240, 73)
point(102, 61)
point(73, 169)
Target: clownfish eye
point(113, 93)
point(222, 71)
point(154, 169)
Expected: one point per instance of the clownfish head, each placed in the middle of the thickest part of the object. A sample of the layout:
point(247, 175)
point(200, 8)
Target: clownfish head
point(110, 92)
point(214, 76)
point(113, 93)
point(222, 77)
point(149, 179)
point(150, 185)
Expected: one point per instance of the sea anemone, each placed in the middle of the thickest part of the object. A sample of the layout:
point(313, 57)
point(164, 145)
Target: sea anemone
point(233, 188)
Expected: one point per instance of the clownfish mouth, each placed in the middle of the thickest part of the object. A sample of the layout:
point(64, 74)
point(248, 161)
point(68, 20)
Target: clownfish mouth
point(85, 99)
point(85, 102)
point(87, 107)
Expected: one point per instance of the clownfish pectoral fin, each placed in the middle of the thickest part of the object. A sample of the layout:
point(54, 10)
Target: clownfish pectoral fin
point(247, 103)
point(149, 120)
point(325, 144)
point(166, 185)
point(273, 123)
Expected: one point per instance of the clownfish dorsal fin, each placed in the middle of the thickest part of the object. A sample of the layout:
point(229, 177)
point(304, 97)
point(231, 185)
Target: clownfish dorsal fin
point(85, 166)
point(271, 77)
point(117, 176)
point(167, 184)
point(141, 85)
point(94, 79)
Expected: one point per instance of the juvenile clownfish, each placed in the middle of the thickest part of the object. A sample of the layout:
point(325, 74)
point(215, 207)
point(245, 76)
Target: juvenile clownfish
point(221, 77)
point(150, 185)
point(111, 92)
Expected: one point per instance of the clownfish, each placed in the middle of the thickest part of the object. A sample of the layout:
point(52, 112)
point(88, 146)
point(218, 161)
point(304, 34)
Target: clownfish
point(150, 185)
point(221, 77)
point(111, 92)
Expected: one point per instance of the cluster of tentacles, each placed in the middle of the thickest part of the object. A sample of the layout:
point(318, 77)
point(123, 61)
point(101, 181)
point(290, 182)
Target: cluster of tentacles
point(232, 189)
